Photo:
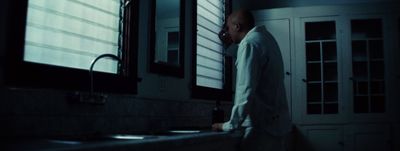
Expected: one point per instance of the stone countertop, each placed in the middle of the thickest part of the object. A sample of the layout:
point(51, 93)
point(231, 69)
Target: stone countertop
point(150, 143)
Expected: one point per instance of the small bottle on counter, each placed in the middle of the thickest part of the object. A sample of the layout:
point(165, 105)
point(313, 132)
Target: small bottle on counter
point(217, 113)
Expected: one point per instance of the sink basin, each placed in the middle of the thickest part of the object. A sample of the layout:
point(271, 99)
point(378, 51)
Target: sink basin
point(184, 131)
point(131, 137)
point(177, 132)
point(71, 140)
point(97, 138)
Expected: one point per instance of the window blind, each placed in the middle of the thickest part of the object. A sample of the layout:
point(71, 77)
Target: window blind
point(71, 33)
point(209, 55)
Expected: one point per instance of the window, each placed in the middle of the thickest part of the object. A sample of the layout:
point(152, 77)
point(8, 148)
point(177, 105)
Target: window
point(211, 69)
point(52, 44)
point(72, 33)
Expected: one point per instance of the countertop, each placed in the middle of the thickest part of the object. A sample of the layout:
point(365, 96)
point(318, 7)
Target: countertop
point(149, 143)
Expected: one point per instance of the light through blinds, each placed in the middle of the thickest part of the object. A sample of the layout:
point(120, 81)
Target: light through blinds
point(71, 33)
point(209, 57)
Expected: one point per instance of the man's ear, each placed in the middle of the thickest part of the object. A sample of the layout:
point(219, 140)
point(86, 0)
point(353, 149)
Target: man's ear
point(237, 27)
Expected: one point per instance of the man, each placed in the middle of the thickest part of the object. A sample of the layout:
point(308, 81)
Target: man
point(260, 107)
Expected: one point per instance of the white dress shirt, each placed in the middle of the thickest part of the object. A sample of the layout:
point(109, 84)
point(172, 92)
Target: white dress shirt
point(260, 99)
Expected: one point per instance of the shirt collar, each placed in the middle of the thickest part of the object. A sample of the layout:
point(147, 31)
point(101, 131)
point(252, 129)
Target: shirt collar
point(253, 30)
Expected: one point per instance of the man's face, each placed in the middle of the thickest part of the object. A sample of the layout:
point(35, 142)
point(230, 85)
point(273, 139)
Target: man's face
point(224, 36)
point(233, 30)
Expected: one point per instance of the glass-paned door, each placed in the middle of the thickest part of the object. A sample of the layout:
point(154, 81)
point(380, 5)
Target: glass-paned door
point(368, 66)
point(321, 67)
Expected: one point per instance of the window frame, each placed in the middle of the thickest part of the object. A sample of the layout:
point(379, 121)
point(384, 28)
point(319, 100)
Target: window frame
point(200, 92)
point(22, 74)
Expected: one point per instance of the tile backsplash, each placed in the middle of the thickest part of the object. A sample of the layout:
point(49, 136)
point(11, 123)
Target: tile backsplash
point(41, 113)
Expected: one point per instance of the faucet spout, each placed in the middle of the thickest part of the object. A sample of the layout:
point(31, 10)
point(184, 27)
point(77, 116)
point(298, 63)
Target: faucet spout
point(94, 62)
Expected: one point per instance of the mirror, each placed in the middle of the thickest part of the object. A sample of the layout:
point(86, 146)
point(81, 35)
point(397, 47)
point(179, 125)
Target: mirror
point(166, 42)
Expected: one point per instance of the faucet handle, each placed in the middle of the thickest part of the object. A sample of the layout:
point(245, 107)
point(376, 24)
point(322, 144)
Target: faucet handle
point(85, 97)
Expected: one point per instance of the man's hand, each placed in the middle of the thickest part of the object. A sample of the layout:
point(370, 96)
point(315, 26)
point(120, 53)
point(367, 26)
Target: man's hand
point(217, 126)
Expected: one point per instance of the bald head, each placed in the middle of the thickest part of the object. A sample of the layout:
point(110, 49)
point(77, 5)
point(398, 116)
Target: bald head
point(244, 18)
point(239, 24)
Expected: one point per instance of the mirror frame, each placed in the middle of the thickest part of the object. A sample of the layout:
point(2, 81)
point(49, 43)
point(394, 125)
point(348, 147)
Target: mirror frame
point(164, 68)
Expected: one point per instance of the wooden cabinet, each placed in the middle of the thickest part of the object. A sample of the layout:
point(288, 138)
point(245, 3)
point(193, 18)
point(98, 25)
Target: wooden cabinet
point(371, 137)
point(318, 69)
point(370, 70)
point(396, 138)
point(315, 138)
point(343, 73)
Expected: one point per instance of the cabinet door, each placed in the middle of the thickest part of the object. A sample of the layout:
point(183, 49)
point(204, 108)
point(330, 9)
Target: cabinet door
point(280, 29)
point(396, 138)
point(397, 76)
point(321, 138)
point(371, 138)
point(318, 69)
point(370, 67)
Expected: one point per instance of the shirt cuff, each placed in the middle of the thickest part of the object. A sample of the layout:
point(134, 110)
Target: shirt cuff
point(227, 126)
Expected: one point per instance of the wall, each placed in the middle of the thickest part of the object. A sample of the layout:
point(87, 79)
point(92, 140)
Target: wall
point(264, 4)
point(162, 102)
point(27, 113)
point(3, 13)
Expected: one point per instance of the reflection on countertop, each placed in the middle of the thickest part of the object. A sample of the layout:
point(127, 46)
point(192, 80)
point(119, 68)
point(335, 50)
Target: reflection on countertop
point(172, 139)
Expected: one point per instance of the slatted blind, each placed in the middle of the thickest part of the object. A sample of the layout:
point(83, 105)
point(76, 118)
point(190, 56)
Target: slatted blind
point(71, 33)
point(210, 63)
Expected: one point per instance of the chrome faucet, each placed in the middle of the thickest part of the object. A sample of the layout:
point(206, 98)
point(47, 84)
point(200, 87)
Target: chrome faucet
point(91, 70)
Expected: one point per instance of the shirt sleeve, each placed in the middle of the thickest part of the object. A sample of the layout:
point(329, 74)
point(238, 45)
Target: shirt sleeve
point(246, 78)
